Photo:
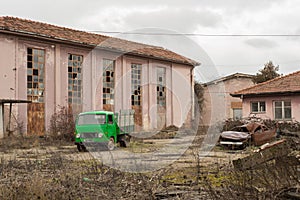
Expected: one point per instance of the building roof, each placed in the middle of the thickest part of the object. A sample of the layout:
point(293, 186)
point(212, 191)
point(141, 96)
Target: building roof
point(229, 77)
point(281, 85)
point(46, 31)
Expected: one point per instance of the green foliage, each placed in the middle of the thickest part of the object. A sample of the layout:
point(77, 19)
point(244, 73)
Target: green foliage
point(267, 73)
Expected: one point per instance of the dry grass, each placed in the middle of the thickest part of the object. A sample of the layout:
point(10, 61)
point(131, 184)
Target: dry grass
point(42, 168)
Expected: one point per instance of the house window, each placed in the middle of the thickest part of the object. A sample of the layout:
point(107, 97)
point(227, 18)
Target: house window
point(35, 75)
point(75, 79)
point(108, 81)
point(258, 106)
point(237, 113)
point(136, 72)
point(161, 86)
point(283, 110)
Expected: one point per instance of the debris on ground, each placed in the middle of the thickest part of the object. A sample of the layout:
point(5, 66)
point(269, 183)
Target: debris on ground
point(278, 151)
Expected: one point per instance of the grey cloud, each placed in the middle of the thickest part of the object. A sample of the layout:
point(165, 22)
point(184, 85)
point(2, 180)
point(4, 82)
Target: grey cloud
point(183, 20)
point(261, 43)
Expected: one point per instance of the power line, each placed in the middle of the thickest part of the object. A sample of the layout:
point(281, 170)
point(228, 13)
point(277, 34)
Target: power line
point(198, 34)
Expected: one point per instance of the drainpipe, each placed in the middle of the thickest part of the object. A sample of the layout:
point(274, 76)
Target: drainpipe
point(172, 103)
point(192, 93)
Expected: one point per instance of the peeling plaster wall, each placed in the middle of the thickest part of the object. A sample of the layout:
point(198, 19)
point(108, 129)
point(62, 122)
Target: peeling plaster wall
point(13, 81)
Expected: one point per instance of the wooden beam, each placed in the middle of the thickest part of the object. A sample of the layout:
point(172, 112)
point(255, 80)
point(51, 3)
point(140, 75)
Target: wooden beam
point(1, 121)
point(272, 151)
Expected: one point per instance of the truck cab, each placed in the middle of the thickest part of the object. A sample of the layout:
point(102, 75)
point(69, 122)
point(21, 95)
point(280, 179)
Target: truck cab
point(98, 128)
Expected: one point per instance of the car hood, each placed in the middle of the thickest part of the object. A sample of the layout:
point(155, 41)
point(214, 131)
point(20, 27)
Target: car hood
point(235, 135)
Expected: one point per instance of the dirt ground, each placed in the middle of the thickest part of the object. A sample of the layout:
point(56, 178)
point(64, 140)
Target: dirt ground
point(39, 168)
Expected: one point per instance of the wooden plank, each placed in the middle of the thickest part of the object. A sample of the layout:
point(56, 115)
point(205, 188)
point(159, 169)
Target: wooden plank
point(108, 107)
point(273, 151)
point(1, 121)
point(36, 119)
point(138, 118)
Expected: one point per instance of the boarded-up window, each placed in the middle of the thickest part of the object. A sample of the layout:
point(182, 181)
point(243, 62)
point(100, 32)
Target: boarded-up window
point(136, 72)
point(75, 79)
point(35, 75)
point(108, 81)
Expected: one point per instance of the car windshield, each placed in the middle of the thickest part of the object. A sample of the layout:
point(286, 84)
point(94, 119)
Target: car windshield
point(91, 119)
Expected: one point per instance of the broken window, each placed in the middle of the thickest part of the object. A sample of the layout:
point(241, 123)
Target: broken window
point(74, 79)
point(35, 75)
point(136, 72)
point(108, 81)
point(161, 86)
point(283, 110)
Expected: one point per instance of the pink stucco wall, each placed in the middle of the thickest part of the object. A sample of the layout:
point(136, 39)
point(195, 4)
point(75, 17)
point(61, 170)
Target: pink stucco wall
point(269, 114)
point(7, 68)
point(13, 83)
point(217, 99)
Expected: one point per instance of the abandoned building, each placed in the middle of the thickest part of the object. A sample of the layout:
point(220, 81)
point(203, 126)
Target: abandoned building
point(218, 105)
point(44, 66)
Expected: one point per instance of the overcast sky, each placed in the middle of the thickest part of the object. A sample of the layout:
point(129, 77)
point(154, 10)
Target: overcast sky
point(218, 55)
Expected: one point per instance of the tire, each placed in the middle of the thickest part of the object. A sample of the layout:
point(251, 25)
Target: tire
point(124, 141)
point(111, 144)
point(81, 148)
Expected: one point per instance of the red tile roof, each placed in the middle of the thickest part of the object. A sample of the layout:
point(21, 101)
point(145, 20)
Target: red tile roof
point(282, 84)
point(48, 31)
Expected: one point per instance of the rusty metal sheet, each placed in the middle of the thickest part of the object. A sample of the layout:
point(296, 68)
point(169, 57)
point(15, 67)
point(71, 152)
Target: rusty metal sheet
point(260, 138)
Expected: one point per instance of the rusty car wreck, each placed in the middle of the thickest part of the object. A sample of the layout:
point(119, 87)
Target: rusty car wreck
point(247, 134)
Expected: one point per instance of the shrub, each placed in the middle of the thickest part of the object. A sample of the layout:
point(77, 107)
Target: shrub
point(62, 124)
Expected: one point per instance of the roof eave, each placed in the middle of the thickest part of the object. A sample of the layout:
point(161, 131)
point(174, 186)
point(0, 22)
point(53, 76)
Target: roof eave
point(191, 64)
point(45, 37)
point(283, 93)
point(77, 43)
point(164, 59)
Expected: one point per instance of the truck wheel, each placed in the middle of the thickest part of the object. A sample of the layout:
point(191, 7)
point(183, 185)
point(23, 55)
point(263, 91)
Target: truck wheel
point(124, 141)
point(111, 144)
point(81, 148)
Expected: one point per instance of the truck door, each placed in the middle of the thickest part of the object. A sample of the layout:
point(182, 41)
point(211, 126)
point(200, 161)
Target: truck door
point(111, 127)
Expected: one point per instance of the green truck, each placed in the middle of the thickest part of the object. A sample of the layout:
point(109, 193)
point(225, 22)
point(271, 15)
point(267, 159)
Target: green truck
point(101, 129)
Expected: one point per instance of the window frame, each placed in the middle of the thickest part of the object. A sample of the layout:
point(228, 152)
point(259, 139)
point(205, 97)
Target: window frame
point(237, 117)
point(161, 93)
point(258, 106)
point(136, 84)
point(35, 73)
point(108, 86)
point(75, 75)
point(283, 109)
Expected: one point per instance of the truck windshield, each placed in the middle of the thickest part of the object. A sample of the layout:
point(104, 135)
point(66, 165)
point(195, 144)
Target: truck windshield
point(91, 119)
